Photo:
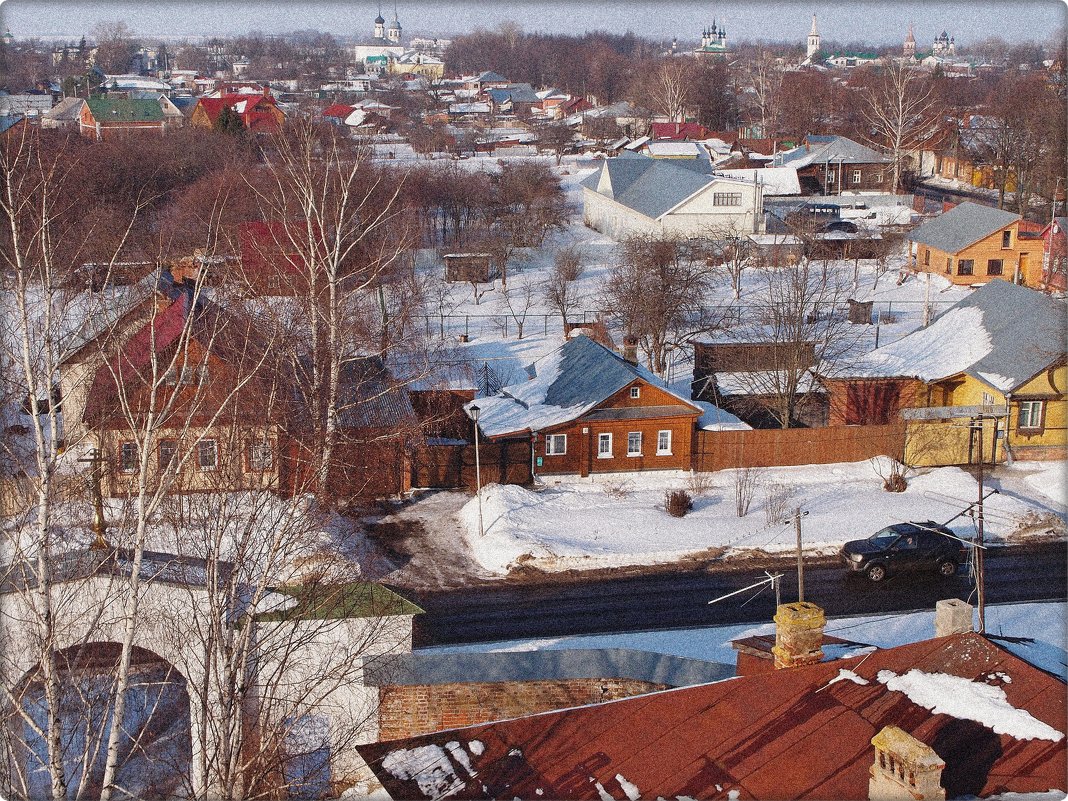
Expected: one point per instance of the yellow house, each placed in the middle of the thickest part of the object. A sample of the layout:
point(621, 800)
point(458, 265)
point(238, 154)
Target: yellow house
point(972, 244)
point(413, 62)
point(989, 374)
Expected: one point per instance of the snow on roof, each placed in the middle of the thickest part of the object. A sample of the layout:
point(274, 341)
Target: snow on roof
point(965, 699)
point(1001, 334)
point(674, 148)
point(714, 418)
point(757, 382)
point(823, 149)
point(566, 383)
point(775, 180)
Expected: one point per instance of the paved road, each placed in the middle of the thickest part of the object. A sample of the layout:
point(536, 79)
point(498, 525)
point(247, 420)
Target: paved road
point(680, 600)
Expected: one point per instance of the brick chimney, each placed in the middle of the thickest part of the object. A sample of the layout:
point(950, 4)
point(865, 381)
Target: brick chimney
point(905, 769)
point(798, 634)
point(952, 616)
point(630, 349)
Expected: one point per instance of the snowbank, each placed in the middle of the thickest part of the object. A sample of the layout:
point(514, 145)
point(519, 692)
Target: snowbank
point(621, 520)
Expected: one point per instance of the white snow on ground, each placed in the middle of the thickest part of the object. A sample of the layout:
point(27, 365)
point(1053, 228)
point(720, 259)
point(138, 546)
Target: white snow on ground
point(1038, 621)
point(964, 699)
point(621, 520)
point(1048, 478)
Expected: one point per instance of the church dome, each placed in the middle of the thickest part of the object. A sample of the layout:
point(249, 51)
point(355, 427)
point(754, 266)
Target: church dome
point(379, 20)
point(395, 25)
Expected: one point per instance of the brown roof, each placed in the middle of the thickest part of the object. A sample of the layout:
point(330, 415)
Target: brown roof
point(778, 735)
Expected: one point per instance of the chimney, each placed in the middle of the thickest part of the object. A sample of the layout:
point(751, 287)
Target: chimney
point(798, 635)
point(952, 616)
point(905, 769)
point(630, 349)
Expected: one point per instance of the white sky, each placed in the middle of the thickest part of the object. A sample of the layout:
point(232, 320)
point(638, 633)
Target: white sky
point(873, 22)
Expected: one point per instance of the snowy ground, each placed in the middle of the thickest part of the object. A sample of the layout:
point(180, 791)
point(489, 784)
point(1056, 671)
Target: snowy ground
point(1043, 622)
point(621, 521)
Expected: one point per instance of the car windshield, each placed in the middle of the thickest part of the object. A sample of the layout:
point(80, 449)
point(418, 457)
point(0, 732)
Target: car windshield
point(884, 538)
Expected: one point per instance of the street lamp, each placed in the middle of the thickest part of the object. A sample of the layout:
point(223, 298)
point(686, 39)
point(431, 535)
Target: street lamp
point(474, 410)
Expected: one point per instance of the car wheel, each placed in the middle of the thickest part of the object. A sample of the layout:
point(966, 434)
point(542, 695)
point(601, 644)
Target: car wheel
point(876, 573)
point(947, 568)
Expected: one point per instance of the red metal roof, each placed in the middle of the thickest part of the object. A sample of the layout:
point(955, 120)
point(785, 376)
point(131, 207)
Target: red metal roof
point(679, 131)
point(256, 115)
point(781, 735)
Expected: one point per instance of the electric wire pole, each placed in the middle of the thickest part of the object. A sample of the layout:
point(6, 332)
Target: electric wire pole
point(979, 583)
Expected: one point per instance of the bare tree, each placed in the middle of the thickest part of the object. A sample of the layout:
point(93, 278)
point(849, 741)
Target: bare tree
point(658, 290)
point(519, 301)
point(901, 113)
point(763, 76)
point(561, 292)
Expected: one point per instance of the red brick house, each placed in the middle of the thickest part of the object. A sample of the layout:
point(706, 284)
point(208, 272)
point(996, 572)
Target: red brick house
point(258, 113)
point(109, 117)
point(587, 410)
point(679, 131)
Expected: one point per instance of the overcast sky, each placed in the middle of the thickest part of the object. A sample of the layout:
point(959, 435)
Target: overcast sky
point(874, 22)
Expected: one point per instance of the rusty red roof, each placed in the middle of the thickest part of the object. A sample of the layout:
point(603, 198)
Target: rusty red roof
point(787, 734)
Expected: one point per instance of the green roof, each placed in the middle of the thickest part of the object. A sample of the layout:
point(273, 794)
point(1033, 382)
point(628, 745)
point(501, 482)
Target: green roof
point(121, 109)
point(338, 601)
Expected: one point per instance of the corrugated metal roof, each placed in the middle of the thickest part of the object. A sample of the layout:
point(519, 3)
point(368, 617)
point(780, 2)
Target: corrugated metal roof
point(121, 109)
point(836, 149)
point(640, 413)
point(370, 397)
point(961, 226)
point(795, 733)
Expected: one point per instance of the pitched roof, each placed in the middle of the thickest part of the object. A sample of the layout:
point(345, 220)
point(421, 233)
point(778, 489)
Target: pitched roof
point(491, 77)
point(121, 109)
point(836, 149)
point(679, 131)
point(961, 226)
point(370, 397)
point(565, 384)
point(797, 733)
point(1002, 334)
point(652, 187)
point(69, 108)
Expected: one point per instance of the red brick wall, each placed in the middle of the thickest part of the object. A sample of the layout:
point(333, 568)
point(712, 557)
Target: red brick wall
point(420, 709)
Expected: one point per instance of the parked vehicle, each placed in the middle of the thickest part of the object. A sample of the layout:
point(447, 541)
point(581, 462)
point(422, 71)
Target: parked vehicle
point(903, 547)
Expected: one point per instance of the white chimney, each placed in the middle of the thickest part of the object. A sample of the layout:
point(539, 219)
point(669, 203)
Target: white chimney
point(952, 616)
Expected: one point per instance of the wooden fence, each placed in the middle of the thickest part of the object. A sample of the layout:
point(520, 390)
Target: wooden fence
point(453, 466)
point(719, 450)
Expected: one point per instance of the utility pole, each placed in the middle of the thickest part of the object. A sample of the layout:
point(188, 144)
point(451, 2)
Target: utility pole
point(798, 514)
point(96, 474)
point(979, 582)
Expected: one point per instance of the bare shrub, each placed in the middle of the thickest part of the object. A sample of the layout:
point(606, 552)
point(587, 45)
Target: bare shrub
point(746, 481)
point(777, 499)
point(699, 484)
point(618, 489)
point(892, 472)
point(677, 502)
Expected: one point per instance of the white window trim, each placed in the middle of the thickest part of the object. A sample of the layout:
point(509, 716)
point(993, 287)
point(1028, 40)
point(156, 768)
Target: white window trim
point(856, 176)
point(660, 452)
point(635, 392)
point(1034, 415)
point(639, 451)
point(600, 454)
point(215, 446)
point(550, 440)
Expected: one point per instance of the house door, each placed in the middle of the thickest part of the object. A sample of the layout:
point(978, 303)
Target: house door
point(989, 432)
point(1025, 263)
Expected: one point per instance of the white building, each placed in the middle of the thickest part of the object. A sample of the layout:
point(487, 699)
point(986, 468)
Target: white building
point(633, 194)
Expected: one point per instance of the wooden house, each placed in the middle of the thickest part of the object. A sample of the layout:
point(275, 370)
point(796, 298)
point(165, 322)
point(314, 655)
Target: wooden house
point(830, 165)
point(971, 244)
point(998, 353)
point(259, 113)
point(471, 267)
point(587, 410)
point(109, 117)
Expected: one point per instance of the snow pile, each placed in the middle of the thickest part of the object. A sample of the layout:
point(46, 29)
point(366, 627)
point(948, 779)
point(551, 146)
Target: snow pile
point(848, 675)
point(964, 699)
point(1048, 478)
point(620, 520)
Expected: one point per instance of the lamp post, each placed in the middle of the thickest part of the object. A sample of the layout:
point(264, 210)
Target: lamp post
point(473, 410)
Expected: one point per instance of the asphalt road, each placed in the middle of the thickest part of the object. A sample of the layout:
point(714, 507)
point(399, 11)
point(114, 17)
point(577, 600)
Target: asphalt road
point(680, 599)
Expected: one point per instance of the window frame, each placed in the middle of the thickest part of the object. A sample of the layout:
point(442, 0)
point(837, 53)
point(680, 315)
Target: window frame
point(1033, 426)
point(203, 447)
point(991, 270)
point(550, 444)
point(1006, 240)
point(602, 438)
point(856, 176)
point(659, 436)
point(926, 257)
point(126, 466)
point(630, 450)
point(251, 458)
point(965, 266)
point(726, 199)
point(165, 445)
point(635, 392)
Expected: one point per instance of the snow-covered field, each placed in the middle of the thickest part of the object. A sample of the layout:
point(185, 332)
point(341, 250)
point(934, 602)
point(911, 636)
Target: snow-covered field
point(622, 521)
point(1043, 622)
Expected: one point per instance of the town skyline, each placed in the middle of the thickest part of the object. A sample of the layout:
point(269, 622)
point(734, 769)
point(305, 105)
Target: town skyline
point(878, 23)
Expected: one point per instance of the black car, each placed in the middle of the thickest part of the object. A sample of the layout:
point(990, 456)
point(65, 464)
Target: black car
point(906, 546)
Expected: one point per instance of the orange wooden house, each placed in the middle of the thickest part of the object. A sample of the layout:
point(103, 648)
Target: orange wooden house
point(258, 113)
point(587, 410)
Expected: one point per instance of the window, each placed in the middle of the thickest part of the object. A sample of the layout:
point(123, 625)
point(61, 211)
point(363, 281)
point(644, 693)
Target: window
point(555, 444)
point(949, 264)
point(926, 257)
point(635, 392)
point(995, 267)
point(878, 178)
point(260, 455)
point(830, 177)
point(128, 457)
point(1030, 416)
point(1006, 239)
point(988, 399)
point(168, 450)
point(634, 443)
point(663, 443)
point(207, 454)
point(604, 446)
point(726, 198)
point(856, 176)
point(965, 266)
